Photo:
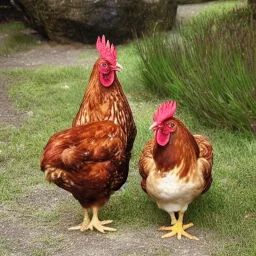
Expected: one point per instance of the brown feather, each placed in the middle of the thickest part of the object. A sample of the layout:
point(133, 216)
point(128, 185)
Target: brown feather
point(146, 162)
point(101, 103)
point(87, 161)
point(184, 150)
point(206, 152)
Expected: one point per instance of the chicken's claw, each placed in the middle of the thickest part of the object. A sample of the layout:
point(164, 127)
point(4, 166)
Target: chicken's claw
point(99, 225)
point(83, 226)
point(168, 228)
point(94, 223)
point(75, 227)
point(179, 230)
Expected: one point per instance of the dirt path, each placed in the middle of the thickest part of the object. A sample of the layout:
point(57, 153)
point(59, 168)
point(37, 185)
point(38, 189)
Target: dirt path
point(50, 54)
point(22, 232)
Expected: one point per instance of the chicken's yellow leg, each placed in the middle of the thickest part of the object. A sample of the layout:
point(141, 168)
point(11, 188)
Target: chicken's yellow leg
point(178, 229)
point(173, 218)
point(173, 221)
point(99, 225)
point(83, 226)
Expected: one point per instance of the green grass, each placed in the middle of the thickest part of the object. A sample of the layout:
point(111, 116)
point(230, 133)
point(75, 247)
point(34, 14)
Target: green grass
point(53, 95)
point(202, 1)
point(209, 68)
point(11, 27)
point(87, 55)
point(14, 39)
point(39, 252)
point(4, 245)
point(227, 210)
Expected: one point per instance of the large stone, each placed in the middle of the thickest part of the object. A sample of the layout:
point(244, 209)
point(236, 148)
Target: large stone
point(84, 20)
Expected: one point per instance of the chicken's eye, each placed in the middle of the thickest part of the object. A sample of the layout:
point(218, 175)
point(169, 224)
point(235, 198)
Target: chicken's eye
point(171, 125)
point(104, 65)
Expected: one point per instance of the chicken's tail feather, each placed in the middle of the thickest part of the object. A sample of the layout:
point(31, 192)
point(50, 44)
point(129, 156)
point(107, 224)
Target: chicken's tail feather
point(57, 176)
point(206, 160)
point(205, 148)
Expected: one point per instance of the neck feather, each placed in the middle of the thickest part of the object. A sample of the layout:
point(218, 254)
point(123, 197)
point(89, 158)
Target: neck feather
point(181, 149)
point(98, 99)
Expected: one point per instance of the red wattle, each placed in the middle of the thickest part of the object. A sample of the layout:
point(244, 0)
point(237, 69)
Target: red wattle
point(107, 79)
point(161, 138)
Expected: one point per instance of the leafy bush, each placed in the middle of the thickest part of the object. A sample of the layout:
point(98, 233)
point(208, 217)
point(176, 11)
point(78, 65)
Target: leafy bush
point(210, 68)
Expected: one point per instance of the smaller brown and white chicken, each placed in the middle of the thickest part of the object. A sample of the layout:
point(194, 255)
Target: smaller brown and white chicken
point(176, 167)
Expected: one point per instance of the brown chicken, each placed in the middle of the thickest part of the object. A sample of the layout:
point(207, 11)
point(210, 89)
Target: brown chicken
point(89, 162)
point(104, 98)
point(175, 167)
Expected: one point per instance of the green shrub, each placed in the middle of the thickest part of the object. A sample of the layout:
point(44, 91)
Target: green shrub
point(210, 68)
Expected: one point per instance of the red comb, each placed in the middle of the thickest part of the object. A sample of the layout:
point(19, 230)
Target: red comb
point(166, 110)
point(106, 50)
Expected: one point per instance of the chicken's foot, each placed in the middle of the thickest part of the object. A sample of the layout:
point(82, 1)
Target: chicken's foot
point(97, 224)
point(178, 228)
point(86, 221)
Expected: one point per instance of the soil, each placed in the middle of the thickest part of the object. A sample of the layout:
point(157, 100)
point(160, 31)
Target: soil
point(20, 232)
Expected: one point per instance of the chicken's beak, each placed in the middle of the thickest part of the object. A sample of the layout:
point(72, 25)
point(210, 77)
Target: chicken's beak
point(117, 67)
point(153, 127)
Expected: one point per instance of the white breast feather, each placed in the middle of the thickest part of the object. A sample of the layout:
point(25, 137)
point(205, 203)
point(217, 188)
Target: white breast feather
point(171, 193)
